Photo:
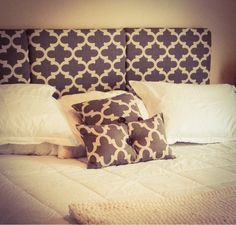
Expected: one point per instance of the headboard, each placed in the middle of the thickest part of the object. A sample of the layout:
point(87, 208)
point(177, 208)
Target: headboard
point(80, 60)
point(177, 55)
point(14, 57)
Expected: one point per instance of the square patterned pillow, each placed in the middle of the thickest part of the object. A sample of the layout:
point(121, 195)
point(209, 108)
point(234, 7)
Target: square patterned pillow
point(109, 110)
point(107, 145)
point(148, 139)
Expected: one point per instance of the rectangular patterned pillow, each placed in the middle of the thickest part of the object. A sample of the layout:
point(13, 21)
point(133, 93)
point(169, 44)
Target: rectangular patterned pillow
point(109, 110)
point(124, 143)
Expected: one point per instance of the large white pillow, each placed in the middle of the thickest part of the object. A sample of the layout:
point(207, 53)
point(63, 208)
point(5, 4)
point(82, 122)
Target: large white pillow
point(33, 120)
point(17, 90)
point(192, 113)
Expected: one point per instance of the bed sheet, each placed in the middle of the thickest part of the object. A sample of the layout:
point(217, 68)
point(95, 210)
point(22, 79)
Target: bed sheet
point(38, 189)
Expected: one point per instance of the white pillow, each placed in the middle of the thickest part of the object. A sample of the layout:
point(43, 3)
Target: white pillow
point(17, 90)
point(192, 113)
point(33, 120)
point(36, 149)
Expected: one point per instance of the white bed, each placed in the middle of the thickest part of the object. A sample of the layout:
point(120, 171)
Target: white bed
point(39, 189)
point(115, 128)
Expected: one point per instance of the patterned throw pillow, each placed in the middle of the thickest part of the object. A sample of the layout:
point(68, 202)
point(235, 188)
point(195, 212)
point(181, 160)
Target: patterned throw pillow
point(109, 110)
point(107, 145)
point(148, 139)
point(124, 143)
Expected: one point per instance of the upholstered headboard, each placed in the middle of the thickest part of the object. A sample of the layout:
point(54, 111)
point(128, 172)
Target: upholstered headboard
point(14, 57)
point(82, 60)
point(78, 60)
point(178, 55)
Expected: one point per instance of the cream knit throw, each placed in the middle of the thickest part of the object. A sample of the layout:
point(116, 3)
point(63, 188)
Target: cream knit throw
point(214, 207)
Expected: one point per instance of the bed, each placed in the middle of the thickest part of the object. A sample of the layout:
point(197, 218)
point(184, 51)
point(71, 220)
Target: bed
point(39, 189)
point(198, 186)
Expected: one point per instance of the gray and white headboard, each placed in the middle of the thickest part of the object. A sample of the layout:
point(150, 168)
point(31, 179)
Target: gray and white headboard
point(14, 57)
point(78, 60)
point(175, 55)
point(81, 60)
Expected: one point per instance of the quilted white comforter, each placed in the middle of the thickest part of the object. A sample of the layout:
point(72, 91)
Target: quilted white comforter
point(39, 189)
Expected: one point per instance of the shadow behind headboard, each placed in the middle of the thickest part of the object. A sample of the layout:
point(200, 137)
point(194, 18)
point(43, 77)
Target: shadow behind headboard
point(83, 60)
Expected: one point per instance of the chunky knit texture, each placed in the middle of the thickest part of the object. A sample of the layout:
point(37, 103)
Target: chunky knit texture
point(214, 207)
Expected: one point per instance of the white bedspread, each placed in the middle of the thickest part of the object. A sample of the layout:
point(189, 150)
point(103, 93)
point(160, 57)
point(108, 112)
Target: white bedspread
point(38, 189)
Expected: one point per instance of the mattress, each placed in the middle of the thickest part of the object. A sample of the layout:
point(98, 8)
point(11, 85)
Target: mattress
point(39, 189)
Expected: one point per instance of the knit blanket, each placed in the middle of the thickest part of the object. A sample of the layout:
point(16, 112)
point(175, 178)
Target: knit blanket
point(213, 207)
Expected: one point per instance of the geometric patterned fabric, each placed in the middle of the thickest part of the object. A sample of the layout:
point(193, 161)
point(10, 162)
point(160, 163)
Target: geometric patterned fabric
point(148, 139)
point(78, 60)
point(14, 61)
point(124, 143)
point(176, 55)
point(81, 60)
point(108, 110)
point(106, 145)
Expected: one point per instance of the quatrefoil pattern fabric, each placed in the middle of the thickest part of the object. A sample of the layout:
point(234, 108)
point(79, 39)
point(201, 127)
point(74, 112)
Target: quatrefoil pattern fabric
point(109, 110)
point(106, 145)
point(119, 144)
point(80, 60)
point(14, 61)
point(149, 140)
point(176, 55)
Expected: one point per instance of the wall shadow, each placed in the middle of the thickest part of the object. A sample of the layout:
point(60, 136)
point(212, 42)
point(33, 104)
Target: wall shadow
point(228, 73)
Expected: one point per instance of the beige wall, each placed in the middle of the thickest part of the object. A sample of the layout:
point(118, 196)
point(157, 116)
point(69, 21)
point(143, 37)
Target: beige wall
point(217, 15)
